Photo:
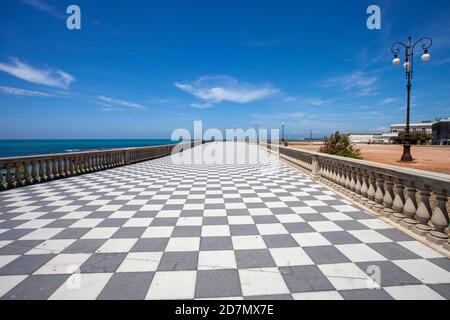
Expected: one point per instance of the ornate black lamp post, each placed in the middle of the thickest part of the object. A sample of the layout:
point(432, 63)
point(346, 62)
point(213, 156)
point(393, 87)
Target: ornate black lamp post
point(408, 65)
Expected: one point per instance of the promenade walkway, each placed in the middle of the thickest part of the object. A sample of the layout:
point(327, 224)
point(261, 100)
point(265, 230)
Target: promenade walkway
point(166, 230)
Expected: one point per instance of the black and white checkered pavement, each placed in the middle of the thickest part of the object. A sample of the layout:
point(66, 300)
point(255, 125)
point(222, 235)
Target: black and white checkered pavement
point(159, 230)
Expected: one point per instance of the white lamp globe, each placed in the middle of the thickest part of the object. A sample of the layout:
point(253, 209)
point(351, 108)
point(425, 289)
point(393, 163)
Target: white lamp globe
point(406, 65)
point(396, 61)
point(426, 57)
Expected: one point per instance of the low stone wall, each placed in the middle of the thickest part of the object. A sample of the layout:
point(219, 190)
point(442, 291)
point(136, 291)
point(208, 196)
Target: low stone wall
point(416, 199)
point(21, 171)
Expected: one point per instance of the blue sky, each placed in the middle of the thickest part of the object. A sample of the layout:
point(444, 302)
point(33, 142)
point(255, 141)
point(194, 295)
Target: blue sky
point(139, 69)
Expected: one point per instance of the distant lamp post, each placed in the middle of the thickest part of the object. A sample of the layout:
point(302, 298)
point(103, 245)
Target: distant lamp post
point(283, 136)
point(425, 43)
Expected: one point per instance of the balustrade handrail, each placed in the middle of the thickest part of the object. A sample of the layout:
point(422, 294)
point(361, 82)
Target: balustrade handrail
point(26, 170)
point(416, 199)
point(417, 176)
point(4, 160)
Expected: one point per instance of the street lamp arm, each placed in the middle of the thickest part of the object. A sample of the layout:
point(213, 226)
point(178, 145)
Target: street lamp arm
point(426, 43)
point(396, 47)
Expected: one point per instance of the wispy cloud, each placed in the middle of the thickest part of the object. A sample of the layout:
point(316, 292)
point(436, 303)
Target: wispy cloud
point(24, 92)
point(49, 77)
point(357, 81)
point(215, 89)
point(111, 103)
point(45, 7)
point(390, 101)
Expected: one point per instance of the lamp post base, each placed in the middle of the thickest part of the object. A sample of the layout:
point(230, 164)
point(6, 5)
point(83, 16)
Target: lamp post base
point(406, 157)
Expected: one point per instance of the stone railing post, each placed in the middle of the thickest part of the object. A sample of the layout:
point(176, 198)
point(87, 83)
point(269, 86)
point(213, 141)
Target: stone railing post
point(440, 220)
point(410, 208)
point(388, 199)
point(399, 202)
point(315, 167)
point(127, 157)
point(379, 195)
point(424, 212)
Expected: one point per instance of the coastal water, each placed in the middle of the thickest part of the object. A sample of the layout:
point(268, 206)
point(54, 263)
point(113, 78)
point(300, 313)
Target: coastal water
point(12, 148)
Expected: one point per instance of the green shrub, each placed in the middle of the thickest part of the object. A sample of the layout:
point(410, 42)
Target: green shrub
point(340, 145)
point(417, 137)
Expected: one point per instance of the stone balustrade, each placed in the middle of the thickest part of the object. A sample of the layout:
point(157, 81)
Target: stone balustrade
point(416, 199)
point(21, 171)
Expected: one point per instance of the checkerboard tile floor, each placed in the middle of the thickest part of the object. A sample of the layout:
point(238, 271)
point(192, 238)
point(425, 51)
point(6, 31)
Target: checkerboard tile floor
point(160, 230)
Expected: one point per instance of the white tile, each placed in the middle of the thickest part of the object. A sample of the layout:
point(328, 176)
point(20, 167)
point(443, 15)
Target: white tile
point(168, 214)
point(235, 220)
point(35, 224)
point(51, 246)
point(310, 239)
point(183, 244)
point(264, 281)
point(318, 295)
point(151, 207)
point(193, 206)
point(138, 222)
point(5, 243)
point(271, 229)
point(29, 216)
point(9, 282)
point(63, 264)
point(4, 260)
point(424, 270)
point(287, 257)
point(345, 208)
point(158, 232)
point(303, 210)
point(109, 208)
point(360, 252)
point(122, 214)
point(86, 223)
point(190, 221)
point(277, 204)
point(67, 209)
point(215, 231)
point(42, 234)
point(117, 245)
point(172, 285)
point(215, 213)
point(336, 216)
point(289, 218)
point(248, 242)
point(76, 215)
point(140, 262)
point(315, 203)
point(260, 212)
point(235, 206)
point(345, 276)
point(420, 249)
point(216, 259)
point(369, 236)
point(375, 224)
point(100, 233)
point(85, 286)
point(413, 292)
point(324, 226)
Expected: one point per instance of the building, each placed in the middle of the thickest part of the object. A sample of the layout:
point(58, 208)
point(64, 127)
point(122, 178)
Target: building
point(424, 126)
point(441, 132)
point(362, 138)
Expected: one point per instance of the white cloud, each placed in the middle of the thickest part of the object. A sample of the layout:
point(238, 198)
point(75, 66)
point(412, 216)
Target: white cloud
point(216, 89)
point(389, 101)
point(49, 77)
point(23, 92)
point(356, 81)
point(109, 102)
point(45, 7)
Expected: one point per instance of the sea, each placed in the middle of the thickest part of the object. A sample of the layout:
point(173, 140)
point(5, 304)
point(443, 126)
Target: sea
point(14, 148)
